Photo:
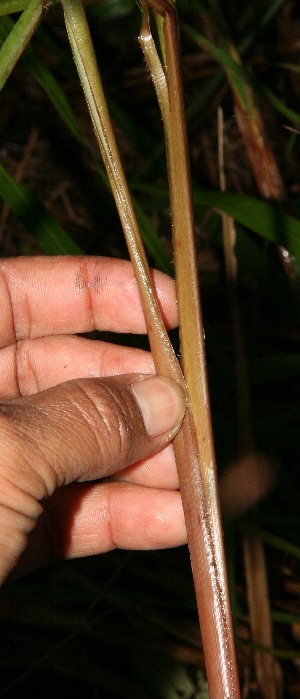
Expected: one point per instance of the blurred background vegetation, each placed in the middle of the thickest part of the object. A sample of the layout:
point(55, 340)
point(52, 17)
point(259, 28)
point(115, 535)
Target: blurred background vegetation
point(125, 624)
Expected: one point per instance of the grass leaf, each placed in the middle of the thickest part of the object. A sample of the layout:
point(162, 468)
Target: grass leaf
point(272, 540)
point(52, 238)
point(7, 7)
point(16, 36)
point(268, 220)
point(55, 93)
point(240, 78)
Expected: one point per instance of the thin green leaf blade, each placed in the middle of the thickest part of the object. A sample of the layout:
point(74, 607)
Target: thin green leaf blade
point(52, 238)
point(270, 539)
point(234, 71)
point(151, 240)
point(240, 78)
point(17, 37)
point(111, 9)
point(8, 7)
point(268, 220)
point(48, 82)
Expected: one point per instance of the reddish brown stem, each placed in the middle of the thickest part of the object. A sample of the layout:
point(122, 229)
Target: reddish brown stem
point(193, 445)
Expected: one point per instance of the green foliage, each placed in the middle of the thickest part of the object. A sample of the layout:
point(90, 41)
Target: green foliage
point(51, 237)
point(270, 301)
point(112, 9)
point(267, 220)
point(10, 6)
point(16, 36)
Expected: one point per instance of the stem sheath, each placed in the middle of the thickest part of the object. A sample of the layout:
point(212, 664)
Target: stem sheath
point(193, 447)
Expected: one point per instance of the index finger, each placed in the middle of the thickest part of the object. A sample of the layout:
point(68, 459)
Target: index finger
point(63, 295)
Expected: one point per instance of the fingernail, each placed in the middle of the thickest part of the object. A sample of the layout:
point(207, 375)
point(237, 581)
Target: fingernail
point(162, 404)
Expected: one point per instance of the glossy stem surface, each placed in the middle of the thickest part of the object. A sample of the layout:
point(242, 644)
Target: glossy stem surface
point(197, 484)
point(194, 449)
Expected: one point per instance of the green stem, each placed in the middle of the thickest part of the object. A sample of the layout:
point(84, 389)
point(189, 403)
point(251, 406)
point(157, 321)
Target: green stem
point(83, 50)
point(7, 7)
point(18, 38)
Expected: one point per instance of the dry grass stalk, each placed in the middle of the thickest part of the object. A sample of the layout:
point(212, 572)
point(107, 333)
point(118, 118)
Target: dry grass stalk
point(251, 125)
point(266, 668)
point(261, 156)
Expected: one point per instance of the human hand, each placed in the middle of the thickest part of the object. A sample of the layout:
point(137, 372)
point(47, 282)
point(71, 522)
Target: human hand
point(70, 415)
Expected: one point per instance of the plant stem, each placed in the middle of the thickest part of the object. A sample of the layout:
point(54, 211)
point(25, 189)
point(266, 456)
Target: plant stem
point(83, 50)
point(267, 672)
point(18, 38)
point(197, 482)
point(197, 476)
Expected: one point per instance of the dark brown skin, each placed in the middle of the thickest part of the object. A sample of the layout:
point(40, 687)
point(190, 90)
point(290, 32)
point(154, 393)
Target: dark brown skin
point(57, 438)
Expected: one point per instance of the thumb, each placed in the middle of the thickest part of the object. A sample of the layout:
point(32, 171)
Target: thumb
point(86, 429)
point(78, 431)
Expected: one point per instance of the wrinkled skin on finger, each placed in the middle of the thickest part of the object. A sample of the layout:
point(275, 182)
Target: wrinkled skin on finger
point(71, 489)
